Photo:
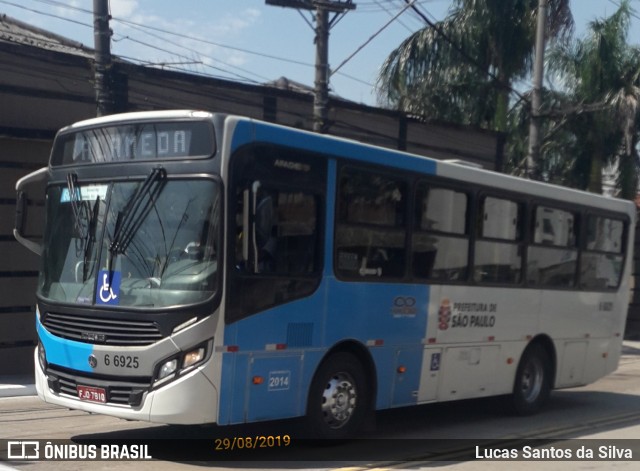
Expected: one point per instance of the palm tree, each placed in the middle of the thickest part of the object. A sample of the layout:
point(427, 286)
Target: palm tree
point(557, 162)
point(462, 69)
point(626, 102)
point(601, 74)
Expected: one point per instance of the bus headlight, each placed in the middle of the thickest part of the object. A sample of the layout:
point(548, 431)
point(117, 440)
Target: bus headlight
point(176, 365)
point(168, 368)
point(193, 357)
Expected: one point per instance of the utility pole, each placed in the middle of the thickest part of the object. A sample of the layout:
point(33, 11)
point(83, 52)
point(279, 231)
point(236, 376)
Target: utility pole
point(321, 82)
point(533, 156)
point(323, 26)
point(102, 46)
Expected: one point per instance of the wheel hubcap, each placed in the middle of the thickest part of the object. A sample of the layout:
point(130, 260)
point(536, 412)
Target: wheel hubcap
point(532, 378)
point(339, 400)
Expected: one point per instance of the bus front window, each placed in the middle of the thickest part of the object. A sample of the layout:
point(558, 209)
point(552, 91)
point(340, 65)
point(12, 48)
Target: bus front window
point(132, 244)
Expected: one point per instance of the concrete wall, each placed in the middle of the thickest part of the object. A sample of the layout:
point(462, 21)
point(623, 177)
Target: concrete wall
point(18, 266)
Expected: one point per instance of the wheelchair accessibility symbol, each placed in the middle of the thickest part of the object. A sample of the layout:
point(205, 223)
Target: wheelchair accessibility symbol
point(108, 290)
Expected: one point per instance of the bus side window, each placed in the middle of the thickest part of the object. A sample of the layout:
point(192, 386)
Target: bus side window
point(498, 249)
point(552, 258)
point(602, 257)
point(280, 235)
point(440, 243)
point(371, 227)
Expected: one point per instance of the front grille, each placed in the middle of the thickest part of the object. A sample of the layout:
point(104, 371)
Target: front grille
point(95, 330)
point(127, 393)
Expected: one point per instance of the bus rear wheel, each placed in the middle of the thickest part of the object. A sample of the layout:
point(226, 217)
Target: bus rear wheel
point(532, 384)
point(337, 398)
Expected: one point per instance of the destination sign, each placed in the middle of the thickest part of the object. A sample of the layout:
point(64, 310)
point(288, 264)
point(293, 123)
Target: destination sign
point(142, 141)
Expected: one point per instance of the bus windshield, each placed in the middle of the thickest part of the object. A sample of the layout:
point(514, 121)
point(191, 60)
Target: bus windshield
point(146, 244)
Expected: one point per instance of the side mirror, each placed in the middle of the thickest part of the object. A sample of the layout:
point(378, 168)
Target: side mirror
point(22, 209)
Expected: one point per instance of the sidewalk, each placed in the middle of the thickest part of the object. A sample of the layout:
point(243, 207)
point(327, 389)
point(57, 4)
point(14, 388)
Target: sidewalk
point(17, 385)
point(631, 347)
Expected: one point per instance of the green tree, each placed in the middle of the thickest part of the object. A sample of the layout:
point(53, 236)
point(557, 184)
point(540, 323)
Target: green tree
point(600, 76)
point(558, 148)
point(462, 68)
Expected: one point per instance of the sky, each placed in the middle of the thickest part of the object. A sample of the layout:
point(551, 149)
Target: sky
point(252, 42)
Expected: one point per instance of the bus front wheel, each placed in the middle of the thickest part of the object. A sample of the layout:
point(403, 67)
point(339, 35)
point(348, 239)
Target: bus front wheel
point(338, 397)
point(533, 380)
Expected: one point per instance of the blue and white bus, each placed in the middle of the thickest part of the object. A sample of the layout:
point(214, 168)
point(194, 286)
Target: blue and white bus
point(207, 268)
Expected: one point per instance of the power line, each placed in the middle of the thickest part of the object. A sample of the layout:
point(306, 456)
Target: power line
point(51, 15)
point(186, 57)
point(225, 46)
point(391, 14)
point(142, 27)
point(212, 43)
point(138, 25)
point(64, 5)
point(631, 11)
point(190, 50)
point(373, 37)
point(59, 4)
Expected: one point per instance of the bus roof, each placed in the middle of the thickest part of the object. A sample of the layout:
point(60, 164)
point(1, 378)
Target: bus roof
point(139, 116)
point(389, 157)
point(450, 170)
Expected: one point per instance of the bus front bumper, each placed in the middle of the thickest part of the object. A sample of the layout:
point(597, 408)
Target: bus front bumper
point(190, 399)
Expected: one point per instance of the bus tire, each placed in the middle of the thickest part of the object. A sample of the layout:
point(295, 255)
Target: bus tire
point(532, 384)
point(338, 397)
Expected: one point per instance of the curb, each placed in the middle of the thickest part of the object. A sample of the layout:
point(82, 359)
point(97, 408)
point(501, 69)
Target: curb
point(13, 386)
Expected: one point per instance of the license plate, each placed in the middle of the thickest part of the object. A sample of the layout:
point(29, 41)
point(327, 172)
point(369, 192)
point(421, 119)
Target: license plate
point(91, 394)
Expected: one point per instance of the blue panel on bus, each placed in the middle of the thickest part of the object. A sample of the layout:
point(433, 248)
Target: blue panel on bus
point(247, 131)
point(233, 394)
point(242, 134)
point(282, 332)
point(392, 319)
point(293, 324)
point(394, 313)
point(65, 353)
point(279, 387)
point(408, 369)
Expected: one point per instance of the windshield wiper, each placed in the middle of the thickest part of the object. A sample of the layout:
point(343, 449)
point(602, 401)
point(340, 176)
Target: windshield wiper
point(91, 238)
point(84, 222)
point(75, 199)
point(134, 214)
